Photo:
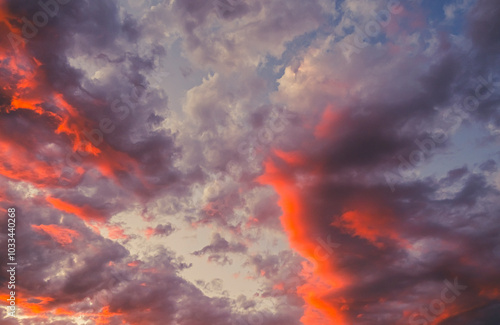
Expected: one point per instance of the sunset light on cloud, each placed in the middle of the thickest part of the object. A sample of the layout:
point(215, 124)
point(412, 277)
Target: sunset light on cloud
point(250, 162)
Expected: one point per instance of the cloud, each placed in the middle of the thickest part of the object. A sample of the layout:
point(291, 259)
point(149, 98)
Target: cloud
point(241, 40)
point(219, 248)
point(61, 235)
point(160, 230)
point(329, 170)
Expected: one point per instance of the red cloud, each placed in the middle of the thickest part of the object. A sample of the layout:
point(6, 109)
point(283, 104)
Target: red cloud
point(294, 220)
point(63, 236)
point(85, 212)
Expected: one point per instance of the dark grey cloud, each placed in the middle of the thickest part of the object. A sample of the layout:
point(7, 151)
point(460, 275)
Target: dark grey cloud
point(483, 26)
point(221, 245)
point(123, 97)
point(397, 247)
point(162, 230)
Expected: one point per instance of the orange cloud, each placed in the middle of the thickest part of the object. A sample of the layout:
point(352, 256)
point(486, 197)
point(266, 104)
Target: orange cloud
point(292, 158)
point(29, 306)
point(116, 232)
point(149, 232)
point(329, 120)
point(371, 222)
point(104, 316)
point(25, 86)
point(134, 263)
point(85, 212)
point(321, 280)
point(20, 164)
point(63, 236)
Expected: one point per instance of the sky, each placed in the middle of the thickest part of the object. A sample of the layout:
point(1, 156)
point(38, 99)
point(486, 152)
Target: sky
point(250, 162)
